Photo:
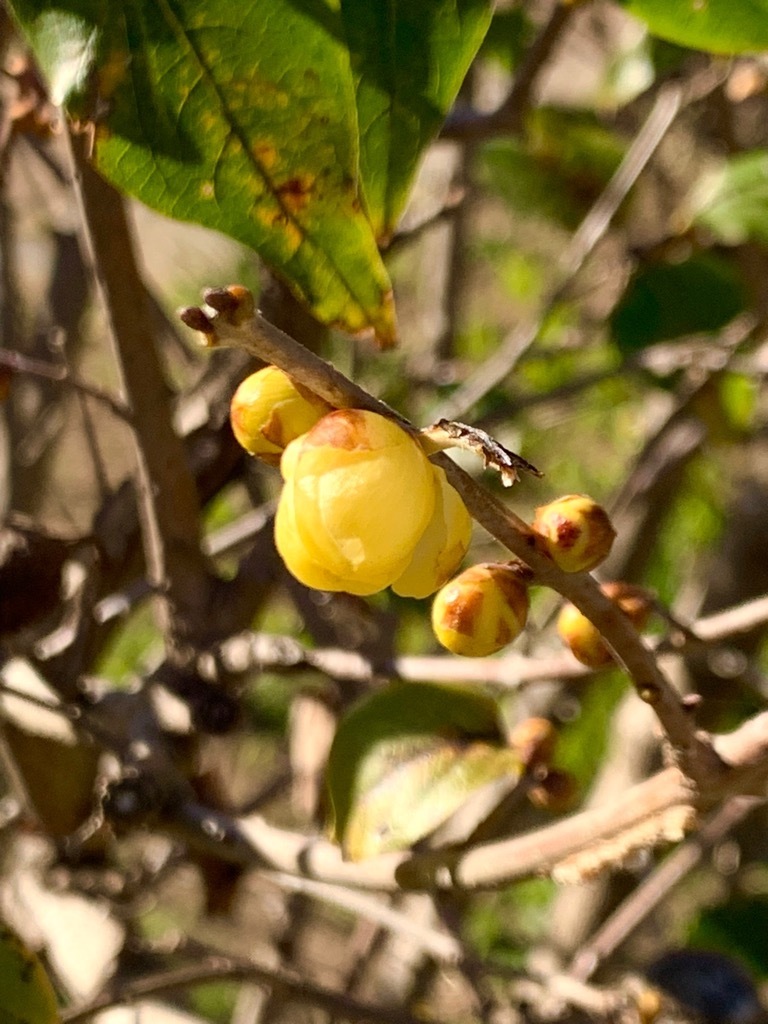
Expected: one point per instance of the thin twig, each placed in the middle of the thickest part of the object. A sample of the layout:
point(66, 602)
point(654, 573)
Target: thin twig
point(659, 809)
point(656, 887)
point(438, 944)
point(741, 618)
point(220, 968)
point(275, 652)
point(587, 235)
point(218, 542)
point(168, 500)
point(468, 125)
point(57, 372)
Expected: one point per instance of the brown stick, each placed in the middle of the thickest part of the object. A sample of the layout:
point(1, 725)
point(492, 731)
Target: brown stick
point(167, 495)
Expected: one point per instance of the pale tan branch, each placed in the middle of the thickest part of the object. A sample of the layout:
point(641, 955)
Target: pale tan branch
point(658, 810)
point(656, 887)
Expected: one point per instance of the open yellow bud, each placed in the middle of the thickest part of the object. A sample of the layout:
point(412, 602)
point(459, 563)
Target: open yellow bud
point(442, 546)
point(482, 610)
point(268, 410)
point(359, 493)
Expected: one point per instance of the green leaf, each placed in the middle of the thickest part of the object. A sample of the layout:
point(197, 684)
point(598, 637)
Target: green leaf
point(508, 37)
point(737, 928)
point(732, 202)
point(409, 60)
point(669, 300)
point(738, 399)
point(239, 116)
point(26, 993)
point(722, 26)
point(405, 759)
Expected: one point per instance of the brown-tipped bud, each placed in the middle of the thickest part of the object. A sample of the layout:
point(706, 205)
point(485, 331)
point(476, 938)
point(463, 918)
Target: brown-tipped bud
point(584, 639)
point(234, 303)
point(636, 602)
point(481, 610)
point(556, 792)
point(534, 740)
point(195, 318)
point(575, 531)
point(269, 410)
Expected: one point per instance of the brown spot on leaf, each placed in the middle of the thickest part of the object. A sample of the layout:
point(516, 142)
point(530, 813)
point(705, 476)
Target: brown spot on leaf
point(265, 154)
point(296, 193)
point(279, 221)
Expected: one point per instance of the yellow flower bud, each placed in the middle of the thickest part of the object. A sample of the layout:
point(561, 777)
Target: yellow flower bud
point(442, 546)
point(575, 531)
point(584, 638)
point(359, 493)
point(482, 610)
point(268, 410)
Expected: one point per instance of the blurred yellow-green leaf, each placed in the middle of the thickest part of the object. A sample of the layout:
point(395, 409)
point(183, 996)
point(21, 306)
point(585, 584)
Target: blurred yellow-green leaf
point(26, 992)
point(405, 759)
point(721, 26)
point(409, 60)
point(732, 201)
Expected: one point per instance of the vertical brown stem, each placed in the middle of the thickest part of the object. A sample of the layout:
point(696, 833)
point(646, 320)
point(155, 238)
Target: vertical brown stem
point(168, 501)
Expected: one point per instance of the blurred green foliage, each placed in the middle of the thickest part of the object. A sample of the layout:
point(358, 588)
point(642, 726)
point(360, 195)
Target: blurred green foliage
point(736, 927)
point(670, 300)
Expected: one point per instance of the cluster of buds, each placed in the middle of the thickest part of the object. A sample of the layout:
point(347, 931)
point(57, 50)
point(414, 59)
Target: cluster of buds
point(363, 508)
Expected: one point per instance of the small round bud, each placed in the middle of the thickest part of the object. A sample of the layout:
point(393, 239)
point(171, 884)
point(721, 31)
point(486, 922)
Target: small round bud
point(585, 640)
point(269, 410)
point(636, 602)
point(482, 610)
point(575, 531)
point(359, 493)
point(534, 739)
point(442, 546)
point(555, 792)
